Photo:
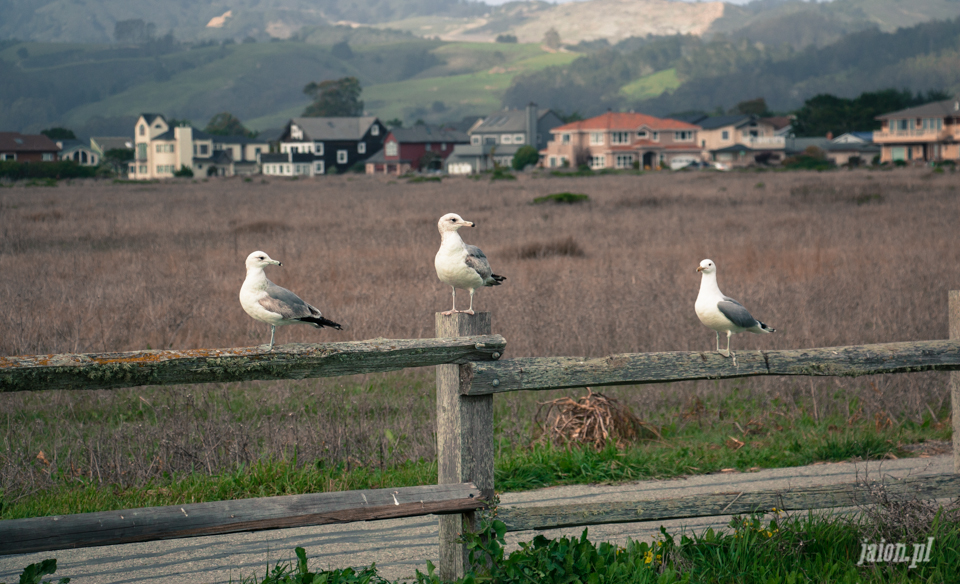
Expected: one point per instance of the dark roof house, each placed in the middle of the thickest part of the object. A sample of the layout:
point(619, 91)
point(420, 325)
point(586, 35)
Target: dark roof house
point(27, 147)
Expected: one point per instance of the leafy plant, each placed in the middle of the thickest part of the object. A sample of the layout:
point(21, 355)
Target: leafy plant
point(564, 198)
point(34, 573)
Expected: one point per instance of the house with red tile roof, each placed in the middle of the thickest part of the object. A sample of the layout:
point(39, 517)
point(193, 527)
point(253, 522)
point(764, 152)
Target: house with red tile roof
point(622, 140)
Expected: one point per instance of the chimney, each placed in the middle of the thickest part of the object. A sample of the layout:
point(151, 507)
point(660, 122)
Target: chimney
point(531, 123)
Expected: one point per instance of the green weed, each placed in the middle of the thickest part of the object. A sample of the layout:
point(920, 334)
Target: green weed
point(568, 198)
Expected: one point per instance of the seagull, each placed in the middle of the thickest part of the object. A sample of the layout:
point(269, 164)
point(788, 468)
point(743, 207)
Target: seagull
point(276, 306)
point(722, 313)
point(460, 265)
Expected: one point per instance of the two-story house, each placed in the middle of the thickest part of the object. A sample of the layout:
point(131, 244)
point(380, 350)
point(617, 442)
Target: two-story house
point(929, 132)
point(621, 140)
point(325, 145)
point(422, 147)
point(739, 139)
point(15, 146)
point(161, 150)
point(78, 151)
point(495, 139)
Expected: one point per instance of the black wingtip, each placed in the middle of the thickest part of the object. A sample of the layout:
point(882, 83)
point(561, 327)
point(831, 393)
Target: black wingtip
point(321, 322)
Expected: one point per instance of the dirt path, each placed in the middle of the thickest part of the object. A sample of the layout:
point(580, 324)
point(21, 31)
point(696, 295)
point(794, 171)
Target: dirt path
point(401, 546)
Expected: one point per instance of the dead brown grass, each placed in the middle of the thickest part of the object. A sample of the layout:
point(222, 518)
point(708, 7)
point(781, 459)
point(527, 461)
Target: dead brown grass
point(826, 258)
point(593, 419)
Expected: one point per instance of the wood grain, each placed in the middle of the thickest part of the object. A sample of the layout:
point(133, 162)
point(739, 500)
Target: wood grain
point(542, 373)
point(293, 361)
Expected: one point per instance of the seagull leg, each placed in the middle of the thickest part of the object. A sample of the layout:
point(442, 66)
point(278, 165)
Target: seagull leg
point(727, 352)
point(273, 329)
point(454, 309)
point(470, 310)
point(718, 341)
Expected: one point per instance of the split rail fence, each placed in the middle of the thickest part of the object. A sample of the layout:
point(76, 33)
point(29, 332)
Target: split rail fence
point(469, 373)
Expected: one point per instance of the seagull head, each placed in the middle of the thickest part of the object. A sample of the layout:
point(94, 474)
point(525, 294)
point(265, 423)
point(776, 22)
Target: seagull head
point(452, 222)
point(260, 259)
point(707, 267)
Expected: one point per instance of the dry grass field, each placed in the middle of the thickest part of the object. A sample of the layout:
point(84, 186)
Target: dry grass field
point(844, 257)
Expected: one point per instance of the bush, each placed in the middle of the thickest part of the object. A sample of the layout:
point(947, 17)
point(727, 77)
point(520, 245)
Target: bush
point(184, 172)
point(525, 156)
point(568, 198)
point(63, 169)
point(500, 174)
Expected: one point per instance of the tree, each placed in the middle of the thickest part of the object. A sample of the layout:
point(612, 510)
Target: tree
point(757, 107)
point(506, 38)
point(184, 172)
point(340, 97)
point(551, 39)
point(342, 50)
point(226, 124)
point(117, 159)
point(394, 123)
point(526, 155)
point(59, 134)
point(827, 113)
point(133, 31)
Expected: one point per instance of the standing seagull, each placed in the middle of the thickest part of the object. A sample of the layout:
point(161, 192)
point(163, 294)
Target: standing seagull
point(460, 265)
point(276, 306)
point(722, 313)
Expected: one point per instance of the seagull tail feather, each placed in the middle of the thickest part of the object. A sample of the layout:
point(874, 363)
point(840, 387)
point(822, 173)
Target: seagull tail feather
point(320, 322)
point(496, 279)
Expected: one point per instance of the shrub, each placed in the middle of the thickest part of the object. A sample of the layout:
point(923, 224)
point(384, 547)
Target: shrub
point(567, 198)
point(559, 247)
point(525, 156)
point(184, 172)
point(56, 170)
point(500, 174)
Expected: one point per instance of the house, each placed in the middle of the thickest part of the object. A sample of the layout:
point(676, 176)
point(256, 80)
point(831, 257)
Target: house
point(422, 147)
point(78, 151)
point(335, 144)
point(740, 139)
point(103, 144)
point(27, 147)
point(495, 139)
point(856, 146)
point(927, 133)
point(161, 151)
point(291, 163)
point(622, 140)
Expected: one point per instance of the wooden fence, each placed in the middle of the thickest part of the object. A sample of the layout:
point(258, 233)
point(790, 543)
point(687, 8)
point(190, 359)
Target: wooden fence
point(469, 372)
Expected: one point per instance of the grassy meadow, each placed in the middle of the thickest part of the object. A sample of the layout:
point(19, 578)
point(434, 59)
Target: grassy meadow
point(834, 258)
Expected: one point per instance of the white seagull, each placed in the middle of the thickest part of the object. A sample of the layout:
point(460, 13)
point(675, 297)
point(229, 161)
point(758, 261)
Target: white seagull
point(722, 313)
point(276, 306)
point(460, 265)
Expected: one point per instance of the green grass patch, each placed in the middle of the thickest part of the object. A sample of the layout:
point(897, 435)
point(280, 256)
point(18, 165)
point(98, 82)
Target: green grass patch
point(422, 179)
point(562, 198)
point(651, 85)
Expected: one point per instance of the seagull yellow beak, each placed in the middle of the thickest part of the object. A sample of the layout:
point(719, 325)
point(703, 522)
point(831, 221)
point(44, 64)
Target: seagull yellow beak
point(277, 263)
point(699, 268)
point(469, 223)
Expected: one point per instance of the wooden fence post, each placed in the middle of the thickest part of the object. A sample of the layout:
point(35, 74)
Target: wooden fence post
point(464, 439)
point(954, 308)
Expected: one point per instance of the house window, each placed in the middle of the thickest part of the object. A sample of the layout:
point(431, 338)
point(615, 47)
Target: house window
point(204, 149)
point(489, 139)
point(318, 148)
point(8, 156)
point(443, 146)
point(933, 124)
point(143, 169)
point(391, 149)
point(624, 160)
point(256, 151)
point(159, 148)
point(506, 139)
point(143, 130)
point(295, 132)
point(564, 138)
point(318, 167)
point(642, 134)
point(553, 162)
point(683, 136)
point(428, 147)
point(619, 137)
point(48, 156)
point(903, 126)
point(341, 156)
point(375, 130)
point(519, 139)
point(596, 138)
point(475, 140)
point(725, 135)
point(656, 136)
point(362, 148)
point(598, 161)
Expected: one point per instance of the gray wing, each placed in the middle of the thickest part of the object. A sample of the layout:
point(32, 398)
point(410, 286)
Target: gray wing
point(737, 314)
point(286, 303)
point(478, 261)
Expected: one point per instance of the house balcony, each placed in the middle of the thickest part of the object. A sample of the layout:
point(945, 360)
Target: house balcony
point(761, 142)
point(917, 136)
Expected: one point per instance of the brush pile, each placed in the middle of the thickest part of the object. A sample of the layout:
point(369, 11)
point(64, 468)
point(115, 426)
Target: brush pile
point(594, 419)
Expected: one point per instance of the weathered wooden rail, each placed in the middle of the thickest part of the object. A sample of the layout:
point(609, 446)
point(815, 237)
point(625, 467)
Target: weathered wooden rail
point(469, 372)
